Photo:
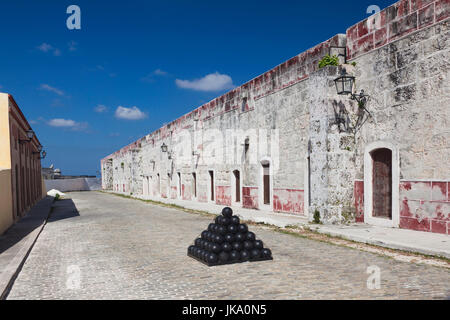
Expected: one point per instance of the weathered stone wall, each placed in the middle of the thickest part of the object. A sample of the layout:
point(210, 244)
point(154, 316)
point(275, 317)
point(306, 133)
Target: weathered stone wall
point(317, 143)
point(402, 61)
point(409, 79)
point(270, 112)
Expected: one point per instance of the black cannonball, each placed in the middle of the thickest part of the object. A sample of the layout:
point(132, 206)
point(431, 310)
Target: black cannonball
point(219, 220)
point(223, 257)
point(218, 238)
point(216, 248)
point(225, 221)
point(229, 237)
point(209, 246)
point(248, 245)
point(226, 247)
point(191, 249)
point(204, 235)
point(212, 258)
point(250, 236)
point(227, 212)
point(243, 228)
point(215, 228)
point(258, 244)
point(216, 220)
point(245, 255)
point(266, 253)
point(232, 228)
point(203, 244)
point(234, 255)
point(209, 236)
point(197, 242)
point(210, 227)
point(199, 253)
point(240, 237)
point(205, 255)
point(237, 246)
point(255, 254)
point(235, 220)
point(222, 230)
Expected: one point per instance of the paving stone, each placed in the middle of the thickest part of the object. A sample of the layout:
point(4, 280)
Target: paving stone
point(117, 248)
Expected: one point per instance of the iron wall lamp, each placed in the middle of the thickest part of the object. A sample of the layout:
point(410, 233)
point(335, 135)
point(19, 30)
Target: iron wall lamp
point(344, 86)
point(30, 136)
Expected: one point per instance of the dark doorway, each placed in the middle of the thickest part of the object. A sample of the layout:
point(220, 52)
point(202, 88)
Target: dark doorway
point(266, 183)
point(237, 180)
point(179, 184)
point(382, 183)
point(211, 177)
point(158, 181)
point(194, 184)
point(17, 193)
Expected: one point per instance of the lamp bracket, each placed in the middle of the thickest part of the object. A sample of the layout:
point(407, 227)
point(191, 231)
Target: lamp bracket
point(340, 54)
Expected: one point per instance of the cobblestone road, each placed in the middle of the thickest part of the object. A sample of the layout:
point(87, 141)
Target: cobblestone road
point(99, 246)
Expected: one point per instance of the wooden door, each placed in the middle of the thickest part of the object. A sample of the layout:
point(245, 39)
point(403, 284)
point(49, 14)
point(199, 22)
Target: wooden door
point(211, 176)
point(266, 183)
point(382, 183)
point(237, 179)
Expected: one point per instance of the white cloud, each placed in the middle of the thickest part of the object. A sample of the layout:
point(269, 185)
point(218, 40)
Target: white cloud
point(61, 123)
point(160, 72)
point(73, 46)
point(151, 76)
point(45, 47)
point(67, 123)
point(51, 89)
point(210, 82)
point(129, 113)
point(101, 108)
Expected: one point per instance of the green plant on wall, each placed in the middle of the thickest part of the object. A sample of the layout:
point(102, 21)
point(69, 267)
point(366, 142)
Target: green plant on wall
point(328, 60)
point(316, 216)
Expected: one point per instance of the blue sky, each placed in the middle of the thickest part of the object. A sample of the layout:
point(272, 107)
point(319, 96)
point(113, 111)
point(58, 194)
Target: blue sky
point(136, 64)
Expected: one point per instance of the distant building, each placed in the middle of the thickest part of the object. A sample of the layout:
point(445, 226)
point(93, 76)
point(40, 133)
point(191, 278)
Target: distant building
point(55, 174)
point(21, 183)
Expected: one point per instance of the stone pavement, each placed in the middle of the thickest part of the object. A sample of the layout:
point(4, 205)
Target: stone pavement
point(18, 240)
point(433, 244)
point(100, 246)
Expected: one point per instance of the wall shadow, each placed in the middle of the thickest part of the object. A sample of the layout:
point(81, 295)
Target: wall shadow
point(63, 209)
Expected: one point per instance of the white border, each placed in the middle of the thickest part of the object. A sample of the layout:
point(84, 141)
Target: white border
point(368, 177)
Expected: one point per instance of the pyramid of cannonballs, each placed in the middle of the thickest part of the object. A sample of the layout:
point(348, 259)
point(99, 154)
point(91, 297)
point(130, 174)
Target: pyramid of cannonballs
point(228, 241)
